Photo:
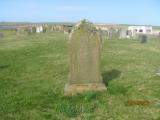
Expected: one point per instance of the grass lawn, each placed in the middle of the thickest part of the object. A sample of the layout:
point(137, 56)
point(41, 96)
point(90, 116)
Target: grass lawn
point(34, 70)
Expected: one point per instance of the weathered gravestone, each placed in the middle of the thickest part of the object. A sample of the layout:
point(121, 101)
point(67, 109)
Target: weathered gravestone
point(84, 50)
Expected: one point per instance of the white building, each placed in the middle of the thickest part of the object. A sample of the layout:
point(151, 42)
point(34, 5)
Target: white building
point(133, 30)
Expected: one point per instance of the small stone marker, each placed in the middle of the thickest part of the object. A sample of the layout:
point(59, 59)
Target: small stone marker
point(84, 50)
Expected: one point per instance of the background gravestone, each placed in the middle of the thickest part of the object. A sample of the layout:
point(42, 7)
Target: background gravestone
point(143, 38)
point(84, 50)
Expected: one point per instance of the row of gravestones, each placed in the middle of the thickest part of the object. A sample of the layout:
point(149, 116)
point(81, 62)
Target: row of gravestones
point(27, 30)
point(60, 28)
point(40, 29)
point(44, 28)
point(30, 30)
point(115, 33)
point(111, 33)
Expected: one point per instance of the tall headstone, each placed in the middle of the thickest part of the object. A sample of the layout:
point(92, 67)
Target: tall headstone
point(84, 51)
point(123, 34)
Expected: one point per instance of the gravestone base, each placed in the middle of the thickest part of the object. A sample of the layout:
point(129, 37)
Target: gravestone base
point(72, 89)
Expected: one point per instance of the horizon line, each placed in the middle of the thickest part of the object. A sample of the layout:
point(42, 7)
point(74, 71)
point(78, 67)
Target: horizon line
point(78, 21)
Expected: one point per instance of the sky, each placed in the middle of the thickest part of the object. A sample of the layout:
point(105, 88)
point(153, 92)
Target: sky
point(140, 12)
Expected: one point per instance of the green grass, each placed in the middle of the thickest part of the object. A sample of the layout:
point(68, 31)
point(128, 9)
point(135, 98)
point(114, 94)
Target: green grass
point(34, 70)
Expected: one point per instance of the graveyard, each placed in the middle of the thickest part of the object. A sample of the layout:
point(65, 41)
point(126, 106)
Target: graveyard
point(34, 69)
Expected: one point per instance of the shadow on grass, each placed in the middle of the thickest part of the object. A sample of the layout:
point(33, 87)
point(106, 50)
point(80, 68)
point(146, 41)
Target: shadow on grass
point(110, 75)
point(4, 66)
